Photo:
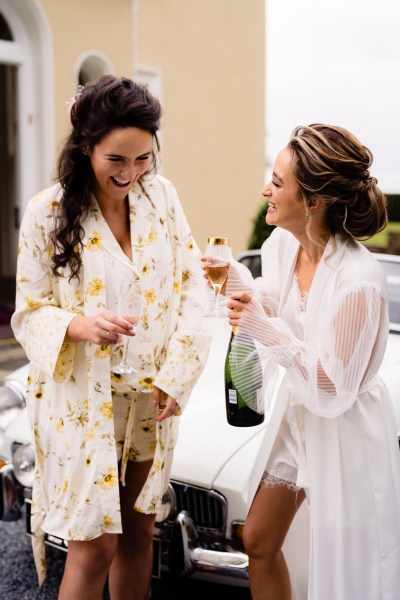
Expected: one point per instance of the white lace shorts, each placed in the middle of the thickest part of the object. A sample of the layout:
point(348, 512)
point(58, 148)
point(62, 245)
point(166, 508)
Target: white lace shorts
point(282, 466)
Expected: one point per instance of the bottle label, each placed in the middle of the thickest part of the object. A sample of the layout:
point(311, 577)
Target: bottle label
point(232, 396)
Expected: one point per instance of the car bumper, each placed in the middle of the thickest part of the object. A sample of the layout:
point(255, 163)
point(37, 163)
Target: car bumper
point(188, 554)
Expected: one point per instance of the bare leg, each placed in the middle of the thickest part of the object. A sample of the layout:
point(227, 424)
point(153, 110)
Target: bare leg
point(130, 572)
point(86, 568)
point(267, 524)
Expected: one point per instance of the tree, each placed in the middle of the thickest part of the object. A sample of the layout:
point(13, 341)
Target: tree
point(261, 230)
point(393, 207)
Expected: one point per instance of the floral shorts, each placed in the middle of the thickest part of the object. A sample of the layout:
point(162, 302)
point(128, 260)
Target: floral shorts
point(135, 425)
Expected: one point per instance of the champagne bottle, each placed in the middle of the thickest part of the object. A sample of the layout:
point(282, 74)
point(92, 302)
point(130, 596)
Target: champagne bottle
point(238, 411)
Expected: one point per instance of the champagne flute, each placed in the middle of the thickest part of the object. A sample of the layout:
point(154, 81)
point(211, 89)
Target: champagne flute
point(130, 306)
point(217, 269)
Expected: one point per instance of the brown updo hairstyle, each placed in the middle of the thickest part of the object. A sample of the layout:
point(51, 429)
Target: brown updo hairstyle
point(108, 104)
point(332, 168)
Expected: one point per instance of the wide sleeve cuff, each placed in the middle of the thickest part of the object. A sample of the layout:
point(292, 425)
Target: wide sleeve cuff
point(46, 347)
point(186, 358)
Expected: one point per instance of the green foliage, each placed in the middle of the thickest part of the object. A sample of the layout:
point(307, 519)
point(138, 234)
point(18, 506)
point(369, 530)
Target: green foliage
point(393, 207)
point(260, 230)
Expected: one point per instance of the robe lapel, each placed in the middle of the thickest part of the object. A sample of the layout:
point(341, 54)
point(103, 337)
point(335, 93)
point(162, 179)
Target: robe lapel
point(326, 270)
point(288, 264)
point(95, 299)
point(142, 213)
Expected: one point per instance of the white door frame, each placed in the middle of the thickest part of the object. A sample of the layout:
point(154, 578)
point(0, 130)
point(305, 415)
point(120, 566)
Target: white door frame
point(32, 53)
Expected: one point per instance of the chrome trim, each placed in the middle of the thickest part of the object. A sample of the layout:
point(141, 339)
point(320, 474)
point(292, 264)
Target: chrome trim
point(208, 509)
point(11, 494)
point(187, 555)
point(170, 496)
point(17, 387)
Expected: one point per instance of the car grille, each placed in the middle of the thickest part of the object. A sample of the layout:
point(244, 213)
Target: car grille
point(207, 508)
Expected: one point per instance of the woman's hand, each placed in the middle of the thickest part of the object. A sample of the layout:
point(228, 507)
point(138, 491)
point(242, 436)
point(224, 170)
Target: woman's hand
point(106, 327)
point(167, 406)
point(237, 303)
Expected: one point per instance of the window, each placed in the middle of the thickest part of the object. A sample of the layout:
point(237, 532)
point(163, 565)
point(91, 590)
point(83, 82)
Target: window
point(5, 32)
point(92, 67)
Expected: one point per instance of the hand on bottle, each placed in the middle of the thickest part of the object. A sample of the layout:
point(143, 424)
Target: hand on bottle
point(106, 327)
point(249, 314)
point(237, 303)
point(167, 406)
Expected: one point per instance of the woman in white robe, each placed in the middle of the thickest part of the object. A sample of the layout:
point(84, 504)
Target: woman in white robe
point(107, 220)
point(320, 311)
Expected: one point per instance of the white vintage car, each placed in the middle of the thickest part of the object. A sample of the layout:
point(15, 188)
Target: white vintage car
point(199, 528)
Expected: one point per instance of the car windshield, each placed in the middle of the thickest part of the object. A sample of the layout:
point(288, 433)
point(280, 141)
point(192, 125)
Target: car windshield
point(390, 264)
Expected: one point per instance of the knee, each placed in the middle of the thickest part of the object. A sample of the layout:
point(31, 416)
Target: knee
point(259, 545)
point(138, 534)
point(143, 539)
point(94, 557)
point(251, 539)
point(102, 558)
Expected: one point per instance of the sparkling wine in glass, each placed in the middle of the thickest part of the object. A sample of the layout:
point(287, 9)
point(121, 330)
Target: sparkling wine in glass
point(130, 306)
point(217, 268)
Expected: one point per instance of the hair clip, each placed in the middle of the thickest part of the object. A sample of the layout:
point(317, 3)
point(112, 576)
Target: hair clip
point(74, 98)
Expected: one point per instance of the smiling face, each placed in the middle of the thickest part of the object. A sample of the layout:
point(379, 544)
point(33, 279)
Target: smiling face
point(119, 160)
point(286, 207)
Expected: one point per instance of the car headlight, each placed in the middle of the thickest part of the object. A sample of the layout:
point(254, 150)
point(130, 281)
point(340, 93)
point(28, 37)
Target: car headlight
point(168, 506)
point(10, 403)
point(23, 460)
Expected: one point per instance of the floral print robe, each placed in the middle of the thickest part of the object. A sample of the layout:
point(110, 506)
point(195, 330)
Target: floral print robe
point(69, 397)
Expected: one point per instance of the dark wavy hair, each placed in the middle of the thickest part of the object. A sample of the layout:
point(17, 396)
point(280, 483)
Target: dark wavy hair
point(332, 168)
point(108, 104)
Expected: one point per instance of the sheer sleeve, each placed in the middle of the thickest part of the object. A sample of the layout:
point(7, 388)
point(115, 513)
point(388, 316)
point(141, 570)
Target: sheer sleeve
point(327, 375)
point(240, 279)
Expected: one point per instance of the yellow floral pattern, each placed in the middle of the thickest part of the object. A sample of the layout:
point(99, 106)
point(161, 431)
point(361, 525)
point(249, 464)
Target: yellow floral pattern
point(107, 410)
point(94, 242)
point(96, 286)
point(150, 296)
point(108, 480)
point(69, 393)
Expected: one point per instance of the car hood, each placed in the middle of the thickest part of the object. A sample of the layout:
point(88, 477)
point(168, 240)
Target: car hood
point(206, 441)
point(389, 372)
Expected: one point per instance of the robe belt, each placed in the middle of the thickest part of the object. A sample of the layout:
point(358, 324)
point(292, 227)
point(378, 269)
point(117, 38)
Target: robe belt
point(135, 396)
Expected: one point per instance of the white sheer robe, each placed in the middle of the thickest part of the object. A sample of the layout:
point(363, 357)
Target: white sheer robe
point(349, 460)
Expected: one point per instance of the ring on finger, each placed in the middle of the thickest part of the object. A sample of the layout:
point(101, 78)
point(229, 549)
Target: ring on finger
point(108, 334)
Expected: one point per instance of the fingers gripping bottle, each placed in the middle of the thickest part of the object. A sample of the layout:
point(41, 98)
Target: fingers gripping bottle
point(243, 382)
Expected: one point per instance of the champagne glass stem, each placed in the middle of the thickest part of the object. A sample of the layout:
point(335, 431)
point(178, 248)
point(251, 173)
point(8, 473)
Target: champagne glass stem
point(125, 350)
point(217, 291)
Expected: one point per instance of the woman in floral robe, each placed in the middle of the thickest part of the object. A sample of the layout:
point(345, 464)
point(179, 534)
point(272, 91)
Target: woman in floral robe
point(107, 220)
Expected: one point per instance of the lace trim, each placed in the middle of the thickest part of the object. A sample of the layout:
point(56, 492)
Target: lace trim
point(302, 296)
point(268, 480)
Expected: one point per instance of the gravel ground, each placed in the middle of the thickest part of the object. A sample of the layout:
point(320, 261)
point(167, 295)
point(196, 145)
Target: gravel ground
point(18, 576)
